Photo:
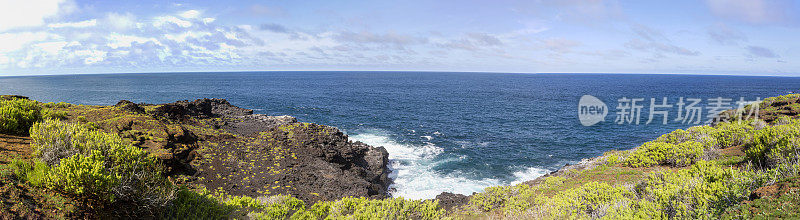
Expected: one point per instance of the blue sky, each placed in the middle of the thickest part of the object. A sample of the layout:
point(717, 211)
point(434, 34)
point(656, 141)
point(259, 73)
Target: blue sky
point(741, 37)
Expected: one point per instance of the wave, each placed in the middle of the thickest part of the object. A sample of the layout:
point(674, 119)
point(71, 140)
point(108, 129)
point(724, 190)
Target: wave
point(529, 173)
point(413, 174)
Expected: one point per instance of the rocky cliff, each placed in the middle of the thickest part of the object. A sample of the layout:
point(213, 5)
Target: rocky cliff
point(213, 144)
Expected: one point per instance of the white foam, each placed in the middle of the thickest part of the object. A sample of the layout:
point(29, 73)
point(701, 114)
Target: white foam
point(529, 173)
point(412, 171)
point(427, 137)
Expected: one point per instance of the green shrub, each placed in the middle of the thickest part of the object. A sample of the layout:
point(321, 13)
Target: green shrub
point(784, 120)
point(615, 157)
point(35, 174)
point(54, 114)
point(55, 140)
point(20, 168)
point(592, 200)
point(84, 177)
point(91, 164)
point(205, 205)
point(56, 105)
point(17, 115)
point(189, 204)
point(661, 153)
point(272, 207)
point(731, 134)
point(507, 199)
point(701, 134)
point(391, 208)
point(703, 190)
point(774, 144)
point(319, 210)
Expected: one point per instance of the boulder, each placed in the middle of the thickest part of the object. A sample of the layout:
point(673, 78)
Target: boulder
point(200, 108)
point(129, 106)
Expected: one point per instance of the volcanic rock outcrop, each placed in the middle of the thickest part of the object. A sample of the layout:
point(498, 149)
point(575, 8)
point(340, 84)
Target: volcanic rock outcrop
point(211, 143)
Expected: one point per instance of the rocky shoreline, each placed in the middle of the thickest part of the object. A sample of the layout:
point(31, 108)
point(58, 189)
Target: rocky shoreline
point(325, 164)
point(216, 145)
point(224, 158)
point(449, 201)
point(213, 144)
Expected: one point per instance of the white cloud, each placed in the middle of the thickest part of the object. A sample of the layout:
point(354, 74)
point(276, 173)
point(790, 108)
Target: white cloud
point(15, 41)
point(119, 40)
point(81, 24)
point(761, 52)
point(388, 39)
point(192, 39)
point(4, 60)
point(190, 14)
point(654, 41)
point(91, 56)
point(164, 20)
point(120, 21)
point(51, 47)
point(30, 13)
point(724, 34)
point(122, 40)
point(181, 37)
point(472, 42)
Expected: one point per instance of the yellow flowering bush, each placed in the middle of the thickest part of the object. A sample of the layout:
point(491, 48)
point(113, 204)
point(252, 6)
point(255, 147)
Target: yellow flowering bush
point(662, 153)
point(206, 205)
point(700, 134)
point(92, 164)
point(391, 208)
point(84, 176)
point(731, 134)
point(504, 198)
point(701, 191)
point(17, 115)
point(592, 200)
point(774, 144)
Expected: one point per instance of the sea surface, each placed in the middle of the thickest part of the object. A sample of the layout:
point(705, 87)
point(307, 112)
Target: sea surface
point(445, 132)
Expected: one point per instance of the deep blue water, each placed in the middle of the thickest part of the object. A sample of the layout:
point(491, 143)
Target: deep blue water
point(456, 132)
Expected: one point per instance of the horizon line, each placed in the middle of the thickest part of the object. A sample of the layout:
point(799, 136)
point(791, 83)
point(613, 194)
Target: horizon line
point(398, 71)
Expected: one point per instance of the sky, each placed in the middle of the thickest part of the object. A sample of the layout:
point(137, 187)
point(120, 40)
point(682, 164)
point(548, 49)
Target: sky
point(732, 37)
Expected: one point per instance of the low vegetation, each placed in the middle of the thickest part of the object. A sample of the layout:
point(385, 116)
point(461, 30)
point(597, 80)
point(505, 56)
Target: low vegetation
point(17, 115)
point(773, 204)
point(702, 172)
point(108, 177)
point(732, 170)
point(203, 204)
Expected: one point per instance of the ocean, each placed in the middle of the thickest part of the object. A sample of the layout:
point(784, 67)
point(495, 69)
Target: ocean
point(445, 132)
